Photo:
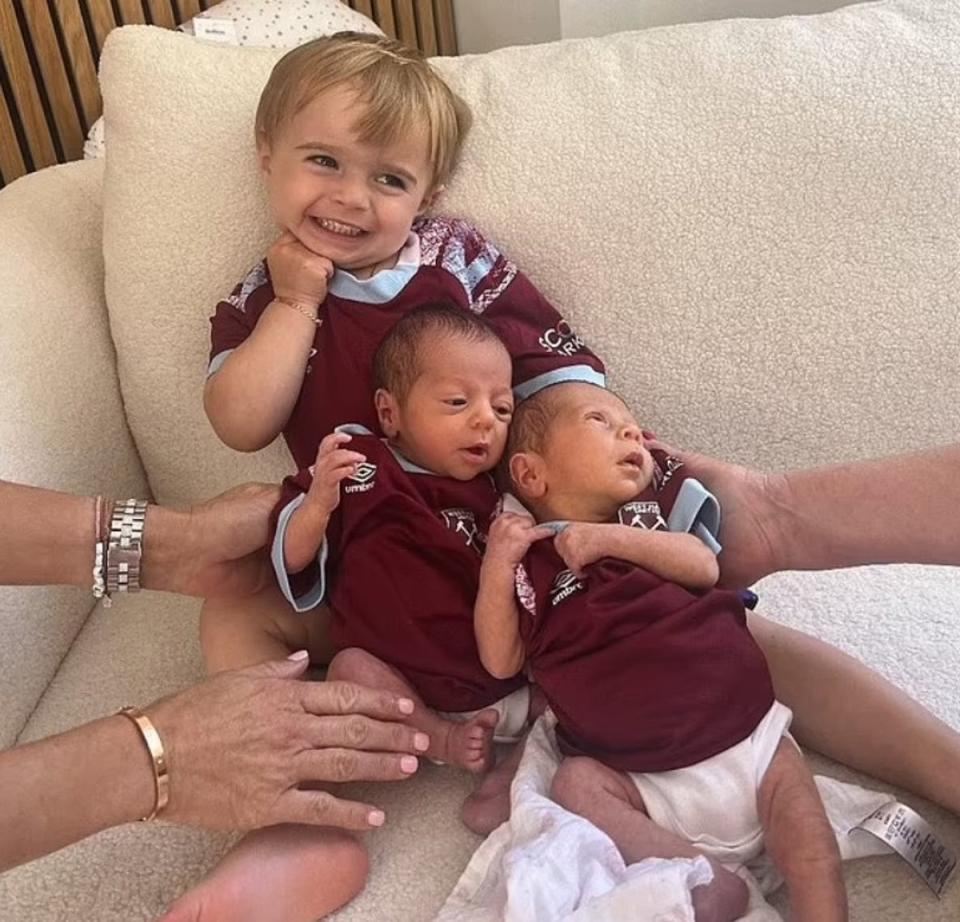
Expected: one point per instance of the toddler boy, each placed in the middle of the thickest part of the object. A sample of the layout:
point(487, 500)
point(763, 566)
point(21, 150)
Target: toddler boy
point(356, 136)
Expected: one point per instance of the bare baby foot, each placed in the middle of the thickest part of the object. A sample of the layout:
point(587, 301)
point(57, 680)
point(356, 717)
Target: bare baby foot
point(484, 810)
point(489, 805)
point(724, 899)
point(470, 744)
point(281, 874)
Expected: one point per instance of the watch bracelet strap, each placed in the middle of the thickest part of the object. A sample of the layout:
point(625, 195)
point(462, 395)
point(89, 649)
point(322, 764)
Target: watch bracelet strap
point(124, 546)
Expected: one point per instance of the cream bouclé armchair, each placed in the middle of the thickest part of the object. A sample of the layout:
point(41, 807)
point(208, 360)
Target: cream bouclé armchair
point(754, 222)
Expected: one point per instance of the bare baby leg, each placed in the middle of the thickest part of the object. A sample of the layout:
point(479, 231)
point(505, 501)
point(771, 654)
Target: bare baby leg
point(468, 744)
point(243, 632)
point(610, 800)
point(800, 840)
point(280, 874)
point(489, 805)
point(852, 714)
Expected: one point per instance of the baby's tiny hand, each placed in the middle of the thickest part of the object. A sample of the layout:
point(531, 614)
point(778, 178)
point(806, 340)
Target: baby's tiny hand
point(297, 272)
point(333, 464)
point(511, 535)
point(581, 544)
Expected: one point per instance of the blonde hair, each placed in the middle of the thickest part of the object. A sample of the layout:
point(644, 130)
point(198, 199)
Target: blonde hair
point(401, 91)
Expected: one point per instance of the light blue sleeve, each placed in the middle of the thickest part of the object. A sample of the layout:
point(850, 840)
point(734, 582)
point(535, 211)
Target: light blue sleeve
point(314, 595)
point(697, 511)
point(580, 373)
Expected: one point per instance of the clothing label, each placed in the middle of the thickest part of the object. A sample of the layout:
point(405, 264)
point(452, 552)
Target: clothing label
point(216, 30)
point(910, 835)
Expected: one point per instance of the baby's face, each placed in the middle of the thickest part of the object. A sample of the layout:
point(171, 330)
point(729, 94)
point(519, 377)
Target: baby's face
point(343, 198)
point(454, 419)
point(594, 449)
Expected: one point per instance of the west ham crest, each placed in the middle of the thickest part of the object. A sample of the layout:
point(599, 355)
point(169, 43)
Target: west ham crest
point(642, 515)
point(462, 523)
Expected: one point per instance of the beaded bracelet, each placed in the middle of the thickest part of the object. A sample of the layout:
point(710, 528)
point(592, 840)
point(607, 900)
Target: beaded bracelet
point(99, 586)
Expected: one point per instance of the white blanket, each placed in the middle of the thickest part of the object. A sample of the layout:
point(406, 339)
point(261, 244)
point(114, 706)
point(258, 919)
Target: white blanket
point(548, 864)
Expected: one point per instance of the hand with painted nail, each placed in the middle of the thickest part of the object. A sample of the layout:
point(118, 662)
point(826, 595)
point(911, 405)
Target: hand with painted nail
point(244, 745)
point(243, 749)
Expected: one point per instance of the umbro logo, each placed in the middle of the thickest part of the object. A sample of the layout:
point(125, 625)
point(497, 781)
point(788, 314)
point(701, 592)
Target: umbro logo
point(363, 478)
point(564, 586)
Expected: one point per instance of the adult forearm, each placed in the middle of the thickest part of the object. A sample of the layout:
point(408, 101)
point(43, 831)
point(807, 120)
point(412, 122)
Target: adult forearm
point(46, 538)
point(899, 509)
point(250, 398)
point(67, 787)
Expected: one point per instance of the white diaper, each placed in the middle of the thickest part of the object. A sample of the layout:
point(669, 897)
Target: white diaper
point(513, 711)
point(713, 804)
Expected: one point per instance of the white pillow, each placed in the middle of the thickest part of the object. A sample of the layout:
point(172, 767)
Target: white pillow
point(286, 23)
point(270, 24)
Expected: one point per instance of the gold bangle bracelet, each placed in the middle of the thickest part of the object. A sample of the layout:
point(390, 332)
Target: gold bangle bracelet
point(158, 758)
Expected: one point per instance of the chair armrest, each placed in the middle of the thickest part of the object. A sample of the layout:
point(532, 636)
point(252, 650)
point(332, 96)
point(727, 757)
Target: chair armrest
point(62, 422)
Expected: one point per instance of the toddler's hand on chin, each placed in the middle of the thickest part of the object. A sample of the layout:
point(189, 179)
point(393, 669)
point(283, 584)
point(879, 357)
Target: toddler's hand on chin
point(297, 272)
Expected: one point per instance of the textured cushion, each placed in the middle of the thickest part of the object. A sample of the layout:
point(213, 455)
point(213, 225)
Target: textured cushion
point(61, 417)
point(755, 222)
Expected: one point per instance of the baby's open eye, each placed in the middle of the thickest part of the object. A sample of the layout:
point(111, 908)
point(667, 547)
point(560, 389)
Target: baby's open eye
point(456, 401)
point(323, 160)
point(596, 417)
point(504, 410)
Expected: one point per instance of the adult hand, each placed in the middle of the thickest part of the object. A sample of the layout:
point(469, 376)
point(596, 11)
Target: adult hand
point(213, 548)
point(240, 744)
point(297, 272)
point(752, 516)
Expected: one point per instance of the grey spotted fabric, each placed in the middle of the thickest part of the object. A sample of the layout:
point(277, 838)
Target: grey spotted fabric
point(286, 23)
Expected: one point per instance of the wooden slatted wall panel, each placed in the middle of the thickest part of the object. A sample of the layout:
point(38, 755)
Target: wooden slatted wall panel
point(49, 51)
point(425, 24)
